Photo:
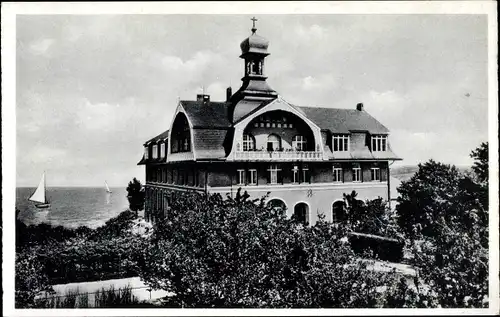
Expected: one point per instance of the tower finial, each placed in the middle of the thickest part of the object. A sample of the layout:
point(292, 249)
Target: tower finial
point(253, 27)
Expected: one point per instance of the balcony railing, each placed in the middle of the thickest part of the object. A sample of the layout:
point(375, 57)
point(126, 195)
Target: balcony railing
point(279, 155)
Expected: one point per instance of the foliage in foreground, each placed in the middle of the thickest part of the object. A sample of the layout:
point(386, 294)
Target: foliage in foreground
point(236, 252)
point(47, 255)
point(445, 216)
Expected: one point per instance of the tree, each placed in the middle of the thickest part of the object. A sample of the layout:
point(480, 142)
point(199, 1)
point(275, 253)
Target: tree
point(371, 216)
point(426, 197)
point(480, 166)
point(445, 214)
point(136, 195)
point(237, 252)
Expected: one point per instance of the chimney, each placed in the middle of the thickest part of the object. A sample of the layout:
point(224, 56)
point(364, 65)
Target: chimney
point(229, 93)
point(359, 107)
point(203, 98)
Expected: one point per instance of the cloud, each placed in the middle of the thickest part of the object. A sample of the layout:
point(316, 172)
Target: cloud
point(311, 33)
point(41, 47)
point(320, 82)
point(43, 154)
point(197, 64)
point(101, 116)
point(217, 91)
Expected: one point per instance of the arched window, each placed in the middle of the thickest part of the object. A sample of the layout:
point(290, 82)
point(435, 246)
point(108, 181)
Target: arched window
point(181, 136)
point(276, 204)
point(273, 142)
point(301, 213)
point(299, 143)
point(248, 142)
point(339, 211)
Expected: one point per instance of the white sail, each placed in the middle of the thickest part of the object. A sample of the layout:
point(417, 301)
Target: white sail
point(107, 187)
point(39, 194)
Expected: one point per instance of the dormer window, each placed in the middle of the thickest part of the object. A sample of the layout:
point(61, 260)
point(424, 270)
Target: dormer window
point(340, 142)
point(162, 150)
point(379, 143)
point(146, 152)
point(155, 151)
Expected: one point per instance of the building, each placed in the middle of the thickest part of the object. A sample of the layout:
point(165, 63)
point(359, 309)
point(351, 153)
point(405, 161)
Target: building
point(306, 157)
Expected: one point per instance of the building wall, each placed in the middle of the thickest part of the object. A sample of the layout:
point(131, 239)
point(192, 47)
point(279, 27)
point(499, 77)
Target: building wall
point(222, 177)
point(319, 197)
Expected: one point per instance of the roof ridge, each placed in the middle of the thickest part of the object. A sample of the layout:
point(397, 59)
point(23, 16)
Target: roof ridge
point(219, 102)
point(323, 107)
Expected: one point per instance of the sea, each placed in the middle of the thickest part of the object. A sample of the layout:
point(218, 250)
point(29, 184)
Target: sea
point(72, 206)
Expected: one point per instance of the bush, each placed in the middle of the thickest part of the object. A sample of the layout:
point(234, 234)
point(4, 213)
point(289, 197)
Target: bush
point(30, 279)
point(47, 255)
point(212, 252)
point(382, 248)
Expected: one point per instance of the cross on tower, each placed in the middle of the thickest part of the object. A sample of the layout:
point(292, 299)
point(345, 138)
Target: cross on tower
point(253, 21)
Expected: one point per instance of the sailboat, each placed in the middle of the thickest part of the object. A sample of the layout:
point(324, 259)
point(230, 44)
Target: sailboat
point(39, 195)
point(107, 188)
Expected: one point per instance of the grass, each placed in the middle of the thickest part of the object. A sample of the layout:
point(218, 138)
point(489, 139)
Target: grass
point(104, 298)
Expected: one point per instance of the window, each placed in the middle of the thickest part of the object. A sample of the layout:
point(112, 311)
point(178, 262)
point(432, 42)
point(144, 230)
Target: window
point(155, 151)
point(252, 177)
point(295, 174)
point(305, 174)
point(185, 145)
point(375, 174)
point(379, 143)
point(301, 213)
point(274, 174)
point(337, 173)
point(162, 150)
point(338, 211)
point(273, 142)
point(273, 120)
point(248, 142)
point(299, 143)
point(356, 173)
point(146, 152)
point(341, 143)
point(241, 177)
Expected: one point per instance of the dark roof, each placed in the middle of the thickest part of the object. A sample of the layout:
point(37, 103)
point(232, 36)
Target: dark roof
point(161, 136)
point(343, 120)
point(211, 115)
point(209, 143)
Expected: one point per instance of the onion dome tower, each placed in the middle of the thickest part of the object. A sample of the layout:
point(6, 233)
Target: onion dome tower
point(255, 90)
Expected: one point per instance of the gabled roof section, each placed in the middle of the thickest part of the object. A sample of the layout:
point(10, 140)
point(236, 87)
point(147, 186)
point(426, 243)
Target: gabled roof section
point(209, 143)
point(161, 136)
point(207, 115)
point(245, 108)
point(343, 120)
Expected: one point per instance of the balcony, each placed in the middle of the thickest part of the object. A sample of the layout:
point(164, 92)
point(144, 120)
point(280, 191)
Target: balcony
point(278, 155)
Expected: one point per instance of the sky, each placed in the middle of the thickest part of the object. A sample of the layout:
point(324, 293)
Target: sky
point(90, 89)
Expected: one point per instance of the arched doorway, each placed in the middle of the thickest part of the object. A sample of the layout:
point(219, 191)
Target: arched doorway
point(277, 203)
point(339, 211)
point(301, 213)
